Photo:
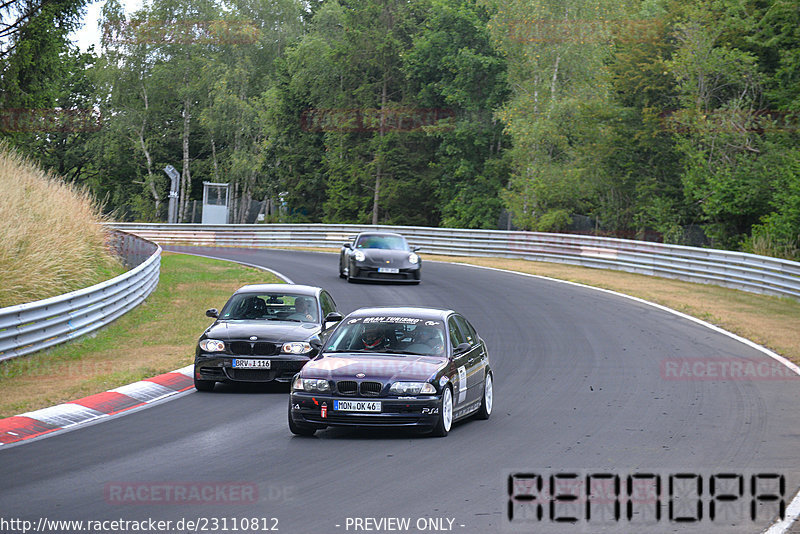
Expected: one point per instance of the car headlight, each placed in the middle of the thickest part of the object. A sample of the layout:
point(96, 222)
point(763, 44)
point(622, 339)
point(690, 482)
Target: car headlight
point(359, 256)
point(413, 258)
point(212, 345)
point(318, 385)
point(412, 388)
point(296, 347)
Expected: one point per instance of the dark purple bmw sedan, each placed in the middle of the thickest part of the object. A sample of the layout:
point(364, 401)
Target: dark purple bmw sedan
point(422, 368)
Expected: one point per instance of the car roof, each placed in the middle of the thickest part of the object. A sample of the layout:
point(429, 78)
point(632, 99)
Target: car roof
point(287, 288)
point(382, 234)
point(421, 312)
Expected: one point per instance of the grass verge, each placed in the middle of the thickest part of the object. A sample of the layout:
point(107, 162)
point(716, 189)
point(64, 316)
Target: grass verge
point(156, 337)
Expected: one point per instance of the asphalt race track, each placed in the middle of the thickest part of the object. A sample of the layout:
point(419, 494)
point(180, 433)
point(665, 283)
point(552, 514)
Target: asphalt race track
point(582, 385)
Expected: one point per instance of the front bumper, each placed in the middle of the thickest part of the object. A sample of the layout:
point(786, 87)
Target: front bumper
point(417, 412)
point(219, 368)
point(364, 271)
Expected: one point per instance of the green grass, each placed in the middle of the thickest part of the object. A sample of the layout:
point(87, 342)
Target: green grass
point(156, 337)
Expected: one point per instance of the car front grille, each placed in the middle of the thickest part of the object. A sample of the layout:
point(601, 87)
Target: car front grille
point(371, 389)
point(390, 276)
point(251, 375)
point(347, 387)
point(365, 389)
point(402, 274)
point(251, 348)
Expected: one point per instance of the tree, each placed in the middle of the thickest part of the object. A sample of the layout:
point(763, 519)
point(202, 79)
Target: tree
point(454, 69)
point(558, 54)
point(236, 118)
point(720, 93)
point(46, 97)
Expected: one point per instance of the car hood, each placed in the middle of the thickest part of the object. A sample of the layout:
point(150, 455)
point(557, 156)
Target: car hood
point(385, 368)
point(277, 331)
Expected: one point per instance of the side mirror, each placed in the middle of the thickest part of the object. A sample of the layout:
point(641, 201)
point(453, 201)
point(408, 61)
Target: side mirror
point(213, 312)
point(462, 348)
point(415, 248)
point(315, 342)
point(348, 245)
point(333, 317)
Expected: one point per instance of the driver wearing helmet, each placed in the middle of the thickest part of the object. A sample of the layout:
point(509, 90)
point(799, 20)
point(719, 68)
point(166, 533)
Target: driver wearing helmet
point(373, 337)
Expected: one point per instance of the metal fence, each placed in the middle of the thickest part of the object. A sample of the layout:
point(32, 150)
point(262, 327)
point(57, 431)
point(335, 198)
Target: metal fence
point(748, 272)
point(34, 326)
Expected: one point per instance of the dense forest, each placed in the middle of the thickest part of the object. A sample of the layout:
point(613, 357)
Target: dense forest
point(673, 120)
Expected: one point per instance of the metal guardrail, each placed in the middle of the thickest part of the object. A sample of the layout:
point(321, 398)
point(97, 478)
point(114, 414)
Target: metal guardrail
point(748, 272)
point(30, 327)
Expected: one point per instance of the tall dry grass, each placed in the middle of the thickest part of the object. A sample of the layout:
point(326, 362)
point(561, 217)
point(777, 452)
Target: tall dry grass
point(50, 239)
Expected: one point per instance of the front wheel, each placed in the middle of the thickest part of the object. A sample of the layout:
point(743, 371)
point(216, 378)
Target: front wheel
point(204, 385)
point(351, 272)
point(488, 398)
point(300, 430)
point(445, 414)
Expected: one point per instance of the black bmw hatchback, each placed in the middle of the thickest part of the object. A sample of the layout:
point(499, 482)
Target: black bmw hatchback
point(262, 334)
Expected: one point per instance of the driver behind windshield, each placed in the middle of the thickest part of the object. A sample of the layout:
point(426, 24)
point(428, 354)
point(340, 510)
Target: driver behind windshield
point(373, 337)
point(427, 339)
point(304, 309)
point(254, 308)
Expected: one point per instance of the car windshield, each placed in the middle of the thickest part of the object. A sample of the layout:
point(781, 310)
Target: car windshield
point(402, 335)
point(271, 307)
point(388, 242)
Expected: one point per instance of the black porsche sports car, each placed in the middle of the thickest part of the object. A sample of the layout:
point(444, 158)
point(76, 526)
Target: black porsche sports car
point(421, 368)
point(380, 256)
point(262, 334)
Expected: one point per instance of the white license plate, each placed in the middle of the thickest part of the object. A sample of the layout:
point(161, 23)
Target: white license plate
point(251, 364)
point(388, 270)
point(356, 406)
